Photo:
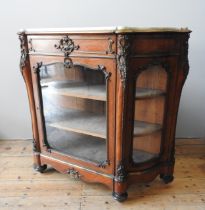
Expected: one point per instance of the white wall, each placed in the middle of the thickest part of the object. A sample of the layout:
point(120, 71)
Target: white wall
point(16, 14)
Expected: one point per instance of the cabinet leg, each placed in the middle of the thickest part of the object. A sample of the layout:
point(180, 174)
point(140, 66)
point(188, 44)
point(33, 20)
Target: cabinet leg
point(120, 196)
point(37, 165)
point(40, 168)
point(167, 178)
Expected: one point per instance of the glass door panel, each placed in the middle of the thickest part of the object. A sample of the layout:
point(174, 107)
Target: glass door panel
point(150, 95)
point(74, 104)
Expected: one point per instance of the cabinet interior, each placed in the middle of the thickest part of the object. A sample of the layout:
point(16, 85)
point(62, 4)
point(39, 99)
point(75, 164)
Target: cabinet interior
point(150, 111)
point(75, 111)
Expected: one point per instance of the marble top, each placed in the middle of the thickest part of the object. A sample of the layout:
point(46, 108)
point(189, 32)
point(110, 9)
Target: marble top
point(114, 30)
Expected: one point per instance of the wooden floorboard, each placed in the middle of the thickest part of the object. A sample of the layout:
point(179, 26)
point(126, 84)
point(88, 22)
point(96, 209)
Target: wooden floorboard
point(23, 188)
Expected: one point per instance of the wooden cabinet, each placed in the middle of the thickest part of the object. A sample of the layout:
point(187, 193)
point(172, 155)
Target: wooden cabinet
point(104, 101)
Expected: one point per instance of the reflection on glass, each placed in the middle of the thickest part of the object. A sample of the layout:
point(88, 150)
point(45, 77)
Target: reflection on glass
point(150, 92)
point(74, 107)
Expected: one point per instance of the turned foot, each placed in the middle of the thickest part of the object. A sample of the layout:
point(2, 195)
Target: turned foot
point(39, 168)
point(120, 196)
point(167, 178)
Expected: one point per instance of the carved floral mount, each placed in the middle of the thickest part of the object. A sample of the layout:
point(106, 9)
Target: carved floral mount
point(36, 68)
point(110, 43)
point(123, 52)
point(121, 173)
point(66, 45)
point(185, 55)
point(23, 58)
point(35, 149)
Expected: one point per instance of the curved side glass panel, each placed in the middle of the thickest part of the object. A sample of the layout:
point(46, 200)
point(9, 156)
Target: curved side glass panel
point(74, 109)
point(150, 95)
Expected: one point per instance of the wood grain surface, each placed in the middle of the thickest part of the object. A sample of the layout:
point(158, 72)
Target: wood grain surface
point(23, 188)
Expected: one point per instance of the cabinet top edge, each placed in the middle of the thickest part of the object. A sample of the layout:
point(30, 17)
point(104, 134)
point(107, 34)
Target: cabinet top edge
point(103, 30)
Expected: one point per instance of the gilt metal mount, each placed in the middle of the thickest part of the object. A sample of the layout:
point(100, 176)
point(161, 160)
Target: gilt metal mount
point(23, 47)
point(73, 173)
point(66, 45)
point(121, 173)
point(123, 45)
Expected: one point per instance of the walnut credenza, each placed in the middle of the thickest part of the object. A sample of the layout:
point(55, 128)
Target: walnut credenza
point(104, 101)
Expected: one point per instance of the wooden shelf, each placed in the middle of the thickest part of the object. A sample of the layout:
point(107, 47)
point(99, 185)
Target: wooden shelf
point(83, 122)
point(94, 92)
point(147, 93)
point(143, 128)
point(81, 146)
point(77, 89)
point(95, 125)
point(86, 147)
point(140, 156)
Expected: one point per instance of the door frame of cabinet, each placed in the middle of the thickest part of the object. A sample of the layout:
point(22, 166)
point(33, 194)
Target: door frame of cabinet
point(136, 67)
point(92, 63)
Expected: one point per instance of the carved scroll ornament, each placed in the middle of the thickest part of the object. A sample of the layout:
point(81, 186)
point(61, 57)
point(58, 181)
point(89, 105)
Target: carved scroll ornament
point(66, 45)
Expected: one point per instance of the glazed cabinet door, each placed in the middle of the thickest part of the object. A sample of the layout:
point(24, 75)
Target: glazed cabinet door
point(149, 108)
point(152, 88)
point(74, 99)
